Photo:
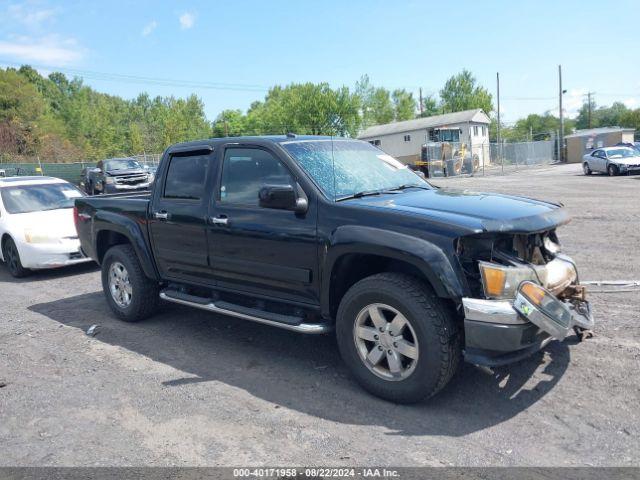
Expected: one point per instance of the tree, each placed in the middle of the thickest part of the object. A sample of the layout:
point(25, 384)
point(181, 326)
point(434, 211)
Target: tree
point(376, 105)
point(306, 108)
point(404, 105)
point(21, 108)
point(601, 116)
point(230, 123)
point(429, 106)
point(631, 119)
point(460, 92)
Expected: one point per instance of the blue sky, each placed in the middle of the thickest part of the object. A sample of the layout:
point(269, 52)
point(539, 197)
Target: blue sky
point(252, 45)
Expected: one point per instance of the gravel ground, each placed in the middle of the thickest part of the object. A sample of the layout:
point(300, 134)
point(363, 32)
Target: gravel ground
point(191, 388)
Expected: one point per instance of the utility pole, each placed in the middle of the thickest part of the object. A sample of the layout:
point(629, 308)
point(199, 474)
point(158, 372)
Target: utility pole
point(561, 114)
point(421, 106)
point(589, 106)
point(498, 96)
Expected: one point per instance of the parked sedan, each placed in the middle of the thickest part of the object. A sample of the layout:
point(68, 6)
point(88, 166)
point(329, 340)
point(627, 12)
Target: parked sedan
point(612, 160)
point(37, 228)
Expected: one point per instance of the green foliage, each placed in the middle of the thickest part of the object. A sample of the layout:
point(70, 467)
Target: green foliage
point(615, 115)
point(307, 108)
point(460, 92)
point(429, 106)
point(631, 119)
point(60, 119)
point(534, 127)
point(404, 104)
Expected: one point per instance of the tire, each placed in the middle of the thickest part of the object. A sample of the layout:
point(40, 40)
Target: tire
point(12, 259)
point(430, 324)
point(135, 296)
point(612, 170)
point(586, 169)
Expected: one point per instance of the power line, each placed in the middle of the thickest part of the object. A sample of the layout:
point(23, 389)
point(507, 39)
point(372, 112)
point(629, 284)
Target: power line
point(89, 74)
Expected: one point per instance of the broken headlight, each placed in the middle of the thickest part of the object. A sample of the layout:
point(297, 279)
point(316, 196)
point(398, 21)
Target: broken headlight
point(500, 281)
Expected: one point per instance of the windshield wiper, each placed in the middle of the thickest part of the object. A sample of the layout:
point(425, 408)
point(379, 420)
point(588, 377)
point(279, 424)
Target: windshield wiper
point(365, 193)
point(407, 185)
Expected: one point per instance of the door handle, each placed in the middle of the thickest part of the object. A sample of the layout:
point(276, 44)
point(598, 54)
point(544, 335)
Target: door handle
point(221, 220)
point(161, 215)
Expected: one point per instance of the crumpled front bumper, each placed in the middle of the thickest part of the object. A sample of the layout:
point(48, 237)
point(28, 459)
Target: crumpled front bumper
point(497, 333)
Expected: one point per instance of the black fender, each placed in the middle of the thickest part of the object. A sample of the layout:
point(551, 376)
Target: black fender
point(105, 220)
point(439, 268)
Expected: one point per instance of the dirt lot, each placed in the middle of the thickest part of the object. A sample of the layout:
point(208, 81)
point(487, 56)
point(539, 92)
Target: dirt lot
point(191, 388)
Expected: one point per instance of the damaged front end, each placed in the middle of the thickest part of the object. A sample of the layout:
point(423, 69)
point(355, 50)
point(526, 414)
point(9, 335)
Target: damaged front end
point(524, 293)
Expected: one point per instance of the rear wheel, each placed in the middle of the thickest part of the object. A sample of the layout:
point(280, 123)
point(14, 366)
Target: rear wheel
point(398, 339)
point(12, 259)
point(131, 295)
point(612, 170)
point(586, 169)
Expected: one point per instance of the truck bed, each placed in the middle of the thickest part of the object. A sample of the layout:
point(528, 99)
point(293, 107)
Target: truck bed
point(92, 214)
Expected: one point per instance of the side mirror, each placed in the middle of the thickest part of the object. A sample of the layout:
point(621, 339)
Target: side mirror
point(282, 197)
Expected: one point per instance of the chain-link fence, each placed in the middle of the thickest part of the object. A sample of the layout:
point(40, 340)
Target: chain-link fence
point(71, 172)
point(448, 159)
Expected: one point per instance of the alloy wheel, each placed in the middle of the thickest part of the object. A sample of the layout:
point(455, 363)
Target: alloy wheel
point(120, 285)
point(386, 342)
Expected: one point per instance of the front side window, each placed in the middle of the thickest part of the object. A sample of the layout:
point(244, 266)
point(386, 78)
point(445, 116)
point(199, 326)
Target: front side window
point(344, 167)
point(246, 170)
point(186, 177)
point(37, 198)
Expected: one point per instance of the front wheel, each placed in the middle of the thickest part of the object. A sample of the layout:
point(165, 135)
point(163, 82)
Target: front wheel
point(612, 170)
point(131, 295)
point(12, 259)
point(586, 169)
point(397, 337)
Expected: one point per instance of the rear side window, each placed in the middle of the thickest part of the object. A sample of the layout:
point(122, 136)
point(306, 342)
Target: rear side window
point(186, 177)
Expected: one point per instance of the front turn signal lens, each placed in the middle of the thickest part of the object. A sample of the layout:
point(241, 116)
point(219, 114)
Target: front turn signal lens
point(493, 280)
point(534, 293)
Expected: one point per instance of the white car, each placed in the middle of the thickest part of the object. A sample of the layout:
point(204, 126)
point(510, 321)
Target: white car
point(37, 228)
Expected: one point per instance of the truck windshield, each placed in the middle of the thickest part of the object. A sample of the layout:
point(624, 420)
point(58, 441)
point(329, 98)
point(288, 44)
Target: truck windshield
point(36, 198)
point(121, 164)
point(344, 168)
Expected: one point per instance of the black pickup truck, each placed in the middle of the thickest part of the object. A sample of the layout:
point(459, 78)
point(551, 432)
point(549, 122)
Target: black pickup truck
point(314, 234)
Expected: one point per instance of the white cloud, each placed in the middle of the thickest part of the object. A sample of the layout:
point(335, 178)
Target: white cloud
point(573, 100)
point(149, 27)
point(50, 50)
point(187, 19)
point(30, 14)
point(631, 102)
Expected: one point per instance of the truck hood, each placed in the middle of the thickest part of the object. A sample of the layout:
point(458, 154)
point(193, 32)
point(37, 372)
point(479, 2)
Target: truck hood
point(478, 212)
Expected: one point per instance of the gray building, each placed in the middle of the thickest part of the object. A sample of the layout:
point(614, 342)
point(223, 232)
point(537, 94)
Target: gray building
point(404, 140)
point(584, 141)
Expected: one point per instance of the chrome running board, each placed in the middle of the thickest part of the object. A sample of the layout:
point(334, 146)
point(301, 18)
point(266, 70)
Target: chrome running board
point(210, 306)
